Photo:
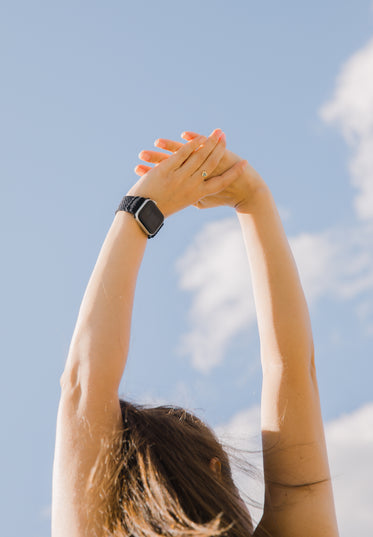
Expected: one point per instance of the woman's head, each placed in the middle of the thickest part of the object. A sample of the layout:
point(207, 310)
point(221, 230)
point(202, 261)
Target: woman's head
point(169, 475)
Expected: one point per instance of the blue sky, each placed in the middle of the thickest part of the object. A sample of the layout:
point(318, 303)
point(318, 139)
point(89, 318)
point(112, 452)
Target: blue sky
point(85, 86)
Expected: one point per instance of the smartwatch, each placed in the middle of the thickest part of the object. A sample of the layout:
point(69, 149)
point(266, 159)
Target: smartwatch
point(145, 212)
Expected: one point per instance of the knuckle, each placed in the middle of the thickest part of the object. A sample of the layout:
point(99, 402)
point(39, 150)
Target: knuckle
point(198, 141)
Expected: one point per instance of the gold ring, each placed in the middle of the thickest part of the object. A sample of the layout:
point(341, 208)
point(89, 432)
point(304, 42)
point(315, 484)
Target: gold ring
point(204, 173)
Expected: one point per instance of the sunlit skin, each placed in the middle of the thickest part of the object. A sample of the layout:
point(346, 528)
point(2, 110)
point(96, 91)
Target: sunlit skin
point(166, 185)
point(89, 409)
point(298, 488)
point(290, 408)
point(239, 194)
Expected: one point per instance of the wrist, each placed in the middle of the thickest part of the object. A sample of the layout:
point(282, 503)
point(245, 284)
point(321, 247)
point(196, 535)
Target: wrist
point(144, 193)
point(145, 212)
point(256, 192)
point(127, 220)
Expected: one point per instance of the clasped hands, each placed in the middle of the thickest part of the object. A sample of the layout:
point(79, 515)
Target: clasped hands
point(179, 179)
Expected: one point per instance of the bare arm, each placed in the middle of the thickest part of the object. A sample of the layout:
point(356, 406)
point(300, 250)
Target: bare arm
point(99, 346)
point(100, 342)
point(89, 410)
point(299, 497)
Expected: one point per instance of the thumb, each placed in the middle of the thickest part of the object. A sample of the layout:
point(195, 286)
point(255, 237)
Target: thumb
point(220, 182)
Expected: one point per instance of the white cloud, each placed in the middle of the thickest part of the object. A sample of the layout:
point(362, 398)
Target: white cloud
point(216, 270)
point(351, 109)
point(350, 447)
point(336, 262)
point(243, 432)
point(315, 256)
point(352, 105)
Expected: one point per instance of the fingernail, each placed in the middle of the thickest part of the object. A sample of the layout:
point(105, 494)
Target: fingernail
point(159, 143)
point(222, 136)
point(216, 133)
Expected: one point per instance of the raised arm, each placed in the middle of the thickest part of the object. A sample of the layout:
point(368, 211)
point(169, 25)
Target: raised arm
point(299, 497)
point(89, 410)
point(99, 346)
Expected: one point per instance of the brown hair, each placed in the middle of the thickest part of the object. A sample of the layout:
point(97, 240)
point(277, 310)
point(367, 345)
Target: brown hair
point(155, 478)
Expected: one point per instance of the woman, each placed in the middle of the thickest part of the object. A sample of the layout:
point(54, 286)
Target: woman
point(121, 469)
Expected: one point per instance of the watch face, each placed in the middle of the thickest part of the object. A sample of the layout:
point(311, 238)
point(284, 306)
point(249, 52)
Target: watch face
point(151, 217)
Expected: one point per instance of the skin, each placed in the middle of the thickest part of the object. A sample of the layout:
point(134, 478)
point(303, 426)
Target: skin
point(238, 194)
point(215, 466)
point(292, 428)
point(299, 495)
point(168, 191)
point(89, 409)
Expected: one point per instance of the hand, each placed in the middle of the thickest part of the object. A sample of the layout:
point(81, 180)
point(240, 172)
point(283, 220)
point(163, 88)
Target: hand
point(239, 194)
point(177, 182)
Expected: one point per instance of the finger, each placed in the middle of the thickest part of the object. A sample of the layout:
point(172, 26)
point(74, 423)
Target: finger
point(177, 159)
point(194, 163)
point(169, 145)
point(220, 182)
point(189, 135)
point(153, 156)
point(142, 170)
point(213, 158)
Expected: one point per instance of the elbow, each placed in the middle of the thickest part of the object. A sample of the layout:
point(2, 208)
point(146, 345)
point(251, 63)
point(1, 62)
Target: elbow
point(70, 382)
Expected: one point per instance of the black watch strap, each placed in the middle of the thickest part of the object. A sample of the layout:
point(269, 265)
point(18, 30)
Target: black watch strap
point(130, 204)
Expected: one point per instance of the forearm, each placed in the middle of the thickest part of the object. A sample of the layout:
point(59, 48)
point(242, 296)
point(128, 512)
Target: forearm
point(290, 410)
point(99, 346)
point(282, 313)
point(294, 449)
